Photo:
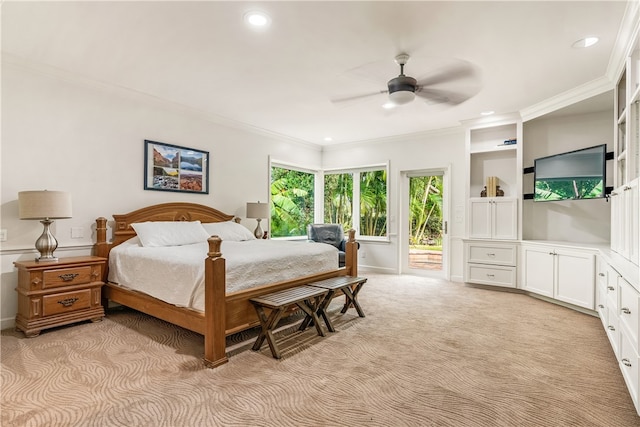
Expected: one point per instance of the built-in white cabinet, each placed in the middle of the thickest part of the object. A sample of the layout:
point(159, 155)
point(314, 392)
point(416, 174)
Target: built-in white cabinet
point(494, 149)
point(558, 272)
point(625, 221)
point(493, 218)
point(491, 263)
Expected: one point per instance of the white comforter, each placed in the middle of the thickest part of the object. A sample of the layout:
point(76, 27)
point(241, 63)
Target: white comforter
point(175, 274)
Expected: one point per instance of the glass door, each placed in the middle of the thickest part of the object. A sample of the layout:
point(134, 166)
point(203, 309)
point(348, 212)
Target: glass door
point(425, 223)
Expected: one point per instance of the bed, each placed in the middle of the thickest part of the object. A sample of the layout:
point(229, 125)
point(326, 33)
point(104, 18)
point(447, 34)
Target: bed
point(225, 311)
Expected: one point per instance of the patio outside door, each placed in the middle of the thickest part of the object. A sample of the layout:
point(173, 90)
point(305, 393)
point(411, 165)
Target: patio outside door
point(425, 223)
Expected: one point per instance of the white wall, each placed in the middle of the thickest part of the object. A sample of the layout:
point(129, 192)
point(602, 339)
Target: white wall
point(581, 221)
point(426, 151)
point(62, 133)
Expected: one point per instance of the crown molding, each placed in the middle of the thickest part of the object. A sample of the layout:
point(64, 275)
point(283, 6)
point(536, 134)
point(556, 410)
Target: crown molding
point(627, 34)
point(125, 92)
point(393, 139)
point(570, 97)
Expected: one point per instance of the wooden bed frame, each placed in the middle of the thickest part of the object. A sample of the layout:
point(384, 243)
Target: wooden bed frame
point(224, 313)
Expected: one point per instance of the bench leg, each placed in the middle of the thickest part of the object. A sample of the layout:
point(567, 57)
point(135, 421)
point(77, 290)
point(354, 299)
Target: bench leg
point(352, 299)
point(268, 324)
point(309, 308)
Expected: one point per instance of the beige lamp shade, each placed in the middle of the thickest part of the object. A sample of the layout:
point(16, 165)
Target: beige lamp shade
point(257, 210)
point(44, 204)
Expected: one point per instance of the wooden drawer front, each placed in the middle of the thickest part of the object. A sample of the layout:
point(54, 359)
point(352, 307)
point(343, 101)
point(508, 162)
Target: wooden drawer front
point(66, 302)
point(629, 307)
point(491, 275)
point(68, 276)
point(629, 366)
point(489, 254)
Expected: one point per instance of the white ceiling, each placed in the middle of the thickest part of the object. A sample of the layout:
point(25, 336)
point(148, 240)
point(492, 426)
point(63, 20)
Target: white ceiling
point(282, 80)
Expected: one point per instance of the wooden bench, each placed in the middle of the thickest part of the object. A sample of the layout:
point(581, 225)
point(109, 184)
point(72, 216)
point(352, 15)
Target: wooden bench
point(350, 287)
point(307, 298)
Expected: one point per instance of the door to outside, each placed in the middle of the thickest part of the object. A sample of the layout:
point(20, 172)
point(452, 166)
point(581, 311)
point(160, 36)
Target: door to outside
point(425, 229)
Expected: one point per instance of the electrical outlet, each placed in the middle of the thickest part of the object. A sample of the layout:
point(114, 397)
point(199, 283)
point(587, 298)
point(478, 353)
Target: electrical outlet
point(77, 232)
point(3, 235)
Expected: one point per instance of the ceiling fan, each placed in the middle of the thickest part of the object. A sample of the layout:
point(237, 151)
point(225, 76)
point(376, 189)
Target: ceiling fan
point(404, 89)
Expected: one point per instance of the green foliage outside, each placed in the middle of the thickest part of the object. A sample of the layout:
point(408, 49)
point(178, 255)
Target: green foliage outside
point(338, 199)
point(373, 203)
point(425, 212)
point(577, 188)
point(292, 201)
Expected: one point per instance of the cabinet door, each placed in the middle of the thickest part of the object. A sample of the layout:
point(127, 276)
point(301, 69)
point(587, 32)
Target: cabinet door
point(505, 218)
point(631, 197)
point(617, 211)
point(479, 218)
point(575, 278)
point(538, 269)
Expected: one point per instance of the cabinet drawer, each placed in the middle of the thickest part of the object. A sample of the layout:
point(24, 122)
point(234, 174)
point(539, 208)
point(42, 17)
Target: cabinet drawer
point(612, 286)
point(629, 306)
point(613, 330)
point(629, 366)
point(67, 276)
point(492, 254)
point(491, 275)
point(601, 303)
point(66, 302)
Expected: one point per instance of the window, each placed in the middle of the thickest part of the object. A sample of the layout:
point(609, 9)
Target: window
point(357, 193)
point(292, 201)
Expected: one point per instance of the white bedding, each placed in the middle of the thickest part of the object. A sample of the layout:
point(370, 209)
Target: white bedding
point(175, 274)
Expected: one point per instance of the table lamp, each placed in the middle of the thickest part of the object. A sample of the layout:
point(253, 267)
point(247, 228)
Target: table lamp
point(258, 211)
point(45, 206)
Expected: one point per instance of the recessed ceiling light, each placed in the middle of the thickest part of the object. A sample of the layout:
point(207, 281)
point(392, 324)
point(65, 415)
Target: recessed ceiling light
point(257, 19)
point(487, 113)
point(585, 42)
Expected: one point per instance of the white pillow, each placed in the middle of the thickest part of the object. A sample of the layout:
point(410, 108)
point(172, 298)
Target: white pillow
point(229, 231)
point(166, 233)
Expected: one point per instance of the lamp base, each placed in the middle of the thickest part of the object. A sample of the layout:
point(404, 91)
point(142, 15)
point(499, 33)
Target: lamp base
point(46, 243)
point(258, 231)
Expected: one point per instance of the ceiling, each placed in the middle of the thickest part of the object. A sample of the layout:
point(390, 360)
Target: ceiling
point(282, 79)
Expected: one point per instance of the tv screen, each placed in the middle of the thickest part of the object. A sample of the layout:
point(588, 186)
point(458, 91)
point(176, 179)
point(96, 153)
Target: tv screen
point(576, 175)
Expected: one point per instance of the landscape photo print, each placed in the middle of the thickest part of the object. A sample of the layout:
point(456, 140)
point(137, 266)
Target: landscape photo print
point(171, 167)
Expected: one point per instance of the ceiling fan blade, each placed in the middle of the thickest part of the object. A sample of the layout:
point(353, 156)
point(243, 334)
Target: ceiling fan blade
point(438, 96)
point(448, 75)
point(355, 97)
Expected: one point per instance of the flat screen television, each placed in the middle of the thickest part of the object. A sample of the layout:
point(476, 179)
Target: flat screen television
point(575, 175)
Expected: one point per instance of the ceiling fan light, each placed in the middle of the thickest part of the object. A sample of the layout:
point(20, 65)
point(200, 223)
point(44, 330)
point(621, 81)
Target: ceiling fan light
point(402, 97)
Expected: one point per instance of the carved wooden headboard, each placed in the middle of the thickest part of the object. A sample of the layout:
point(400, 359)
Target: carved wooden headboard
point(177, 211)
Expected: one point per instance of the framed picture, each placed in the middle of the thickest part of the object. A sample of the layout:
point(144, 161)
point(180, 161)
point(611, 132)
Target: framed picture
point(173, 168)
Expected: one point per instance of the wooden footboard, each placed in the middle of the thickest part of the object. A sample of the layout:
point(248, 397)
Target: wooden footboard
point(224, 313)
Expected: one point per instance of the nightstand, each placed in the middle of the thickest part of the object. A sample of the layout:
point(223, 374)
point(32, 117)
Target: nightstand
point(57, 293)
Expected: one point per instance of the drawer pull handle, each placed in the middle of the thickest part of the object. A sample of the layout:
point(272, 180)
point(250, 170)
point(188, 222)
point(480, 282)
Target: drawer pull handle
point(611, 328)
point(625, 310)
point(68, 277)
point(490, 254)
point(601, 274)
point(491, 275)
point(600, 306)
point(626, 362)
point(611, 288)
point(68, 302)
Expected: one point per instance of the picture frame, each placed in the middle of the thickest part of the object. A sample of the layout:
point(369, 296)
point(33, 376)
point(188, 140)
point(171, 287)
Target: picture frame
point(169, 167)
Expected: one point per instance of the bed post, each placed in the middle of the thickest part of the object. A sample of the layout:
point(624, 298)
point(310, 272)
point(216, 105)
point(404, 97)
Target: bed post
point(351, 254)
point(214, 305)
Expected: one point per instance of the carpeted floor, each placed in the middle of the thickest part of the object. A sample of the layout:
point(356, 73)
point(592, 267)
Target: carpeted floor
point(429, 353)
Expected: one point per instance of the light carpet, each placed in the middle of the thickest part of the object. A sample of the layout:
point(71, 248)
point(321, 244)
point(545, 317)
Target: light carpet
point(429, 353)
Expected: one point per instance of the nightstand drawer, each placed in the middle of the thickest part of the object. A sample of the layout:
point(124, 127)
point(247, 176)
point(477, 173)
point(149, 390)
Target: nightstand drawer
point(66, 302)
point(67, 276)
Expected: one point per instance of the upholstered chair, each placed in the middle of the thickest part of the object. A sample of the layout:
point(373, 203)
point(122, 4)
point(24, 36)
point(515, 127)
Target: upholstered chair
point(331, 234)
